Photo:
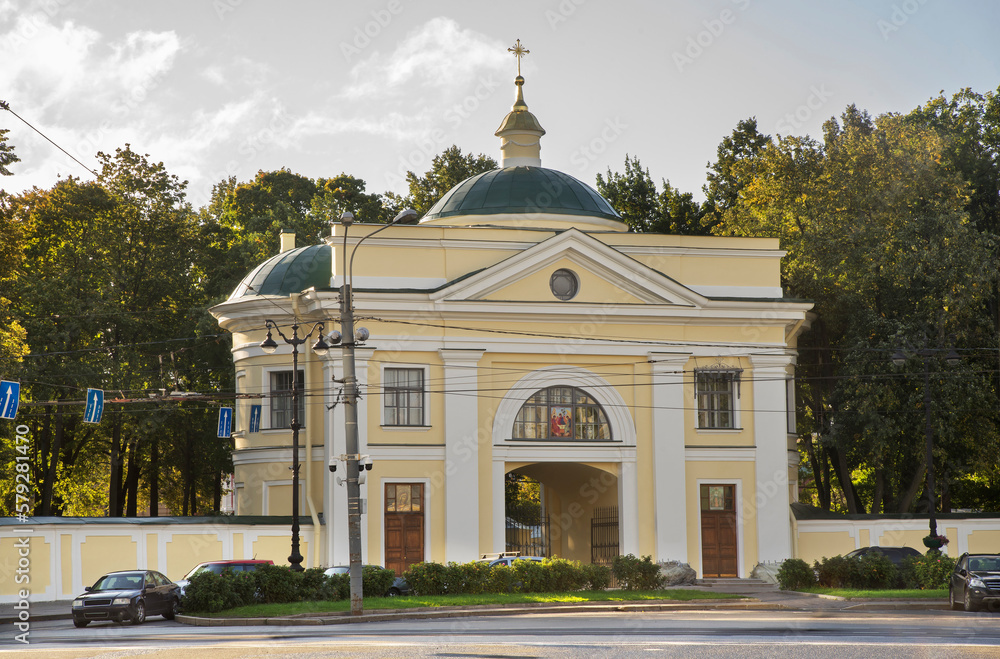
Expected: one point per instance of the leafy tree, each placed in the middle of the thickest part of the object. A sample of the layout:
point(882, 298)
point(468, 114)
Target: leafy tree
point(634, 195)
point(347, 193)
point(108, 292)
point(448, 169)
point(7, 155)
point(877, 234)
point(725, 179)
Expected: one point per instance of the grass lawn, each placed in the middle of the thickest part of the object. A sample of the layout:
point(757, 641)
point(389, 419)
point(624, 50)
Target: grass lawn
point(416, 601)
point(880, 594)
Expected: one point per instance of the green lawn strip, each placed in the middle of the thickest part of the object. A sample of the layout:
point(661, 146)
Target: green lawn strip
point(880, 594)
point(492, 599)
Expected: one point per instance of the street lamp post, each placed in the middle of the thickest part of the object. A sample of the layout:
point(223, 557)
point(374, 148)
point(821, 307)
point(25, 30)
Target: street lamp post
point(269, 345)
point(926, 354)
point(350, 338)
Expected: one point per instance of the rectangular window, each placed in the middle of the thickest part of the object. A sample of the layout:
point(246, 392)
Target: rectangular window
point(403, 392)
point(715, 392)
point(281, 399)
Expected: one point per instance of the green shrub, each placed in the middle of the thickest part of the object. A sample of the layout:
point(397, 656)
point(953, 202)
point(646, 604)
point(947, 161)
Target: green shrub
point(531, 577)
point(635, 574)
point(795, 574)
point(476, 578)
point(932, 570)
point(874, 571)
point(375, 581)
point(596, 577)
point(836, 572)
point(564, 575)
point(427, 578)
point(276, 584)
point(502, 579)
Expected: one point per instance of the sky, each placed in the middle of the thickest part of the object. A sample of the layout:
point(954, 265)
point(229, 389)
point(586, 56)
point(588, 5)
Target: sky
point(219, 88)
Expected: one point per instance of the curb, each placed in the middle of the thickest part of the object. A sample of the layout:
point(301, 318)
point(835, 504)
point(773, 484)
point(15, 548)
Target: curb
point(429, 614)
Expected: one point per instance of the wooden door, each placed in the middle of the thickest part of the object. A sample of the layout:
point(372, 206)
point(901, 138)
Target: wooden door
point(404, 525)
point(718, 531)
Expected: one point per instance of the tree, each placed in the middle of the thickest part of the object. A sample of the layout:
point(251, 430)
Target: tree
point(646, 210)
point(347, 193)
point(877, 233)
point(725, 179)
point(448, 169)
point(7, 155)
point(109, 290)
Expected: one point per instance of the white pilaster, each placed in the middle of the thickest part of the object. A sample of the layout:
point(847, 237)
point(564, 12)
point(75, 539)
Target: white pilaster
point(361, 357)
point(770, 427)
point(334, 445)
point(461, 462)
point(668, 455)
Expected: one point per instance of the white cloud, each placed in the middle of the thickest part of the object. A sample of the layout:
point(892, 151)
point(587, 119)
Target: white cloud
point(438, 53)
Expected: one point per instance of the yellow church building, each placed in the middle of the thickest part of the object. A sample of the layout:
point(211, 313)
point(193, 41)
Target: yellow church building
point(644, 381)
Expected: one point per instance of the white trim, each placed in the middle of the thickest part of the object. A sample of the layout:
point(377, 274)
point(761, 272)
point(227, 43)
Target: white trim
point(406, 452)
point(736, 389)
point(382, 482)
point(738, 504)
point(590, 254)
point(739, 291)
point(265, 386)
point(383, 367)
point(394, 283)
point(616, 410)
point(265, 485)
point(720, 454)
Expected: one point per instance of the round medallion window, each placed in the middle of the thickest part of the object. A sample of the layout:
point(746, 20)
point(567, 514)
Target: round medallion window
point(564, 284)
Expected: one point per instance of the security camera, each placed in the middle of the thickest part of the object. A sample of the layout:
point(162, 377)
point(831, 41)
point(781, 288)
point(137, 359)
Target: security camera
point(364, 463)
point(332, 466)
point(368, 466)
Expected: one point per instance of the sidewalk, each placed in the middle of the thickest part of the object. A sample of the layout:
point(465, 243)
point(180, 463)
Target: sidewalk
point(756, 600)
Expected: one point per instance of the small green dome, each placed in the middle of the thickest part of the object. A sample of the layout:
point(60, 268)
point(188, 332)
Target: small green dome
point(289, 272)
point(523, 190)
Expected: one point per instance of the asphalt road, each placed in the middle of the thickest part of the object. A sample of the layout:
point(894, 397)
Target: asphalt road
point(722, 634)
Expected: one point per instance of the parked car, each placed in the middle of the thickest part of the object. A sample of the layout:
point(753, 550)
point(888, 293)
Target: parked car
point(399, 585)
point(128, 595)
point(975, 582)
point(218, 567)
point(895, 554)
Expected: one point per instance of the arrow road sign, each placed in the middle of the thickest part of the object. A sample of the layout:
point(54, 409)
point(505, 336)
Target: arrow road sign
point(225, 422)
point(10, 398)
point(95, 406)
point(255, 418)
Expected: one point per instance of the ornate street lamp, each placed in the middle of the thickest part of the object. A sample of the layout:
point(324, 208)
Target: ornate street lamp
point(351, 394)
point(269, 345)
point(952, 358)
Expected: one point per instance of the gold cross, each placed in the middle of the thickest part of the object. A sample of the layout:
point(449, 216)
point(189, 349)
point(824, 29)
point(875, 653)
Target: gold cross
point(519, 52)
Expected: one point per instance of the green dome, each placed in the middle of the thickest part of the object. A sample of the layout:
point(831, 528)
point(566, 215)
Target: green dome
point(289, 272)
point(522, 190)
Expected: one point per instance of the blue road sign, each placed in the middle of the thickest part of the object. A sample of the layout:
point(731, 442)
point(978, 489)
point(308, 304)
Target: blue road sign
point(95, 406)
point(10, 398)
point(225, 422)
point(254, 418)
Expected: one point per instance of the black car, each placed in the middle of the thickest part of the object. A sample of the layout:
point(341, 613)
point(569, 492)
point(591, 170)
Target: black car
point(895, 554)
point(975, 582)
point(128, 595)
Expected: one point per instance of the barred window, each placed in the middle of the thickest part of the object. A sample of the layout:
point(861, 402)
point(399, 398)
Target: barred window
point(281, 399)
point(562, 414)
point(403, 392)
point(716, 393)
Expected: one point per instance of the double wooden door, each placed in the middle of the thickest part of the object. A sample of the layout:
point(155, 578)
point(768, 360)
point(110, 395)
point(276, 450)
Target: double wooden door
point(404, 525)
point(718, 531)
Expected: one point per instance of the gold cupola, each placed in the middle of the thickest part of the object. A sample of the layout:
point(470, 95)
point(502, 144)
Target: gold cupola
point(519, 132)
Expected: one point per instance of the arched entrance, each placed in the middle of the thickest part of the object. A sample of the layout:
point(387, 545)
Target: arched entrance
point(577, 505)
point(570, 429)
